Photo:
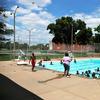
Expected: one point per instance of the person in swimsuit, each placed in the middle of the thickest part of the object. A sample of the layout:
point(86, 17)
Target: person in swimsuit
point(33, 61)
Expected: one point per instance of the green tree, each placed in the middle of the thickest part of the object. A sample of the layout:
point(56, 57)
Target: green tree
point(8, 45)
point(97, 38)
point(84, 36)
point(97, 35)
point(40, 46)
point(80, 24)
point(64, 28)
point(3, 29)
point(97, 28)
point(2, 45)
point(22, 46)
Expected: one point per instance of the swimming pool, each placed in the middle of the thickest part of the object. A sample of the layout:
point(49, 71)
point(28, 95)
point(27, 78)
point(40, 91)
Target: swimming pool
point(80, 65)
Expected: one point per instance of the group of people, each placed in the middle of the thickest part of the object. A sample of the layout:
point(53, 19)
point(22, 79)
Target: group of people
point(65, 61)
point(89, 74)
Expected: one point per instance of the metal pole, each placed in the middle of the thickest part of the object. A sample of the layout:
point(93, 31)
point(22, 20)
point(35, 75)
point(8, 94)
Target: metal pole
point(14, 46)
point(72, 38)
point(14, 33)
point(29, 38)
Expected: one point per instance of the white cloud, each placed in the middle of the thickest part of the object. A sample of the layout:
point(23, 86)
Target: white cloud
point(46, 15)
point(8, 13)
point(32, 19)
point(27, 18)
point(36, 36)
point(23, 11)
point(34, 4)
point(43, 3)
point(9, 26)
point(91, 20)
point(20, 10)
point(37, 2)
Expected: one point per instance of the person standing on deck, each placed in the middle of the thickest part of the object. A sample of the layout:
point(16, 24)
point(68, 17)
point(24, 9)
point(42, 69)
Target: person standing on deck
point(33, 61)
point(66, 63)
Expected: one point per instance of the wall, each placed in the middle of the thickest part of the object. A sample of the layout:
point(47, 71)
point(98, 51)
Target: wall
point(74, 48)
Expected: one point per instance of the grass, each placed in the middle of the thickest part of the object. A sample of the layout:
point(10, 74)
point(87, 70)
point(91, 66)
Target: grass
point(7, 57)
point(48, 57)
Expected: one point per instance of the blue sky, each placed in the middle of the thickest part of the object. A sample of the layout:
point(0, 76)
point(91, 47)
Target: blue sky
point(63, 7)
point(36, 17)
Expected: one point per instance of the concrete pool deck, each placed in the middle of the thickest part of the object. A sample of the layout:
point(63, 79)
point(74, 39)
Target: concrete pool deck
point(51, 85)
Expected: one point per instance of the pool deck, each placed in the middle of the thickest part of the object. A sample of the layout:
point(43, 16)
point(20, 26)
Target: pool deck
point(51, 85)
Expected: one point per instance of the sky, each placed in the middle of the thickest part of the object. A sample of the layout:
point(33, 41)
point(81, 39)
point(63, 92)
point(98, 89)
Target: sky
point(33, 16)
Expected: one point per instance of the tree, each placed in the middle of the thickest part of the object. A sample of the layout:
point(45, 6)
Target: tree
point(97, 35)
point(22, 46)
point(84, 36)
point(97, 28)
point(80, 24)
point(64, 28)
point(2, 45)
point(97, 38)
point(3, 29)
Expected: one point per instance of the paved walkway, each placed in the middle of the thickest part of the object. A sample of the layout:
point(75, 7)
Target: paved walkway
point(51, 85)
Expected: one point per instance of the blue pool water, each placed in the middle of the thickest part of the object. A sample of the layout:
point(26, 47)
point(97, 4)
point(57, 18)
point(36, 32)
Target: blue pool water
point(80, 65)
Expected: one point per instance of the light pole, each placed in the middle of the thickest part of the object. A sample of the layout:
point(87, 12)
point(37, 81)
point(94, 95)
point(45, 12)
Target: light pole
point(30, 30)
point(14, 23)
point(72, 38)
